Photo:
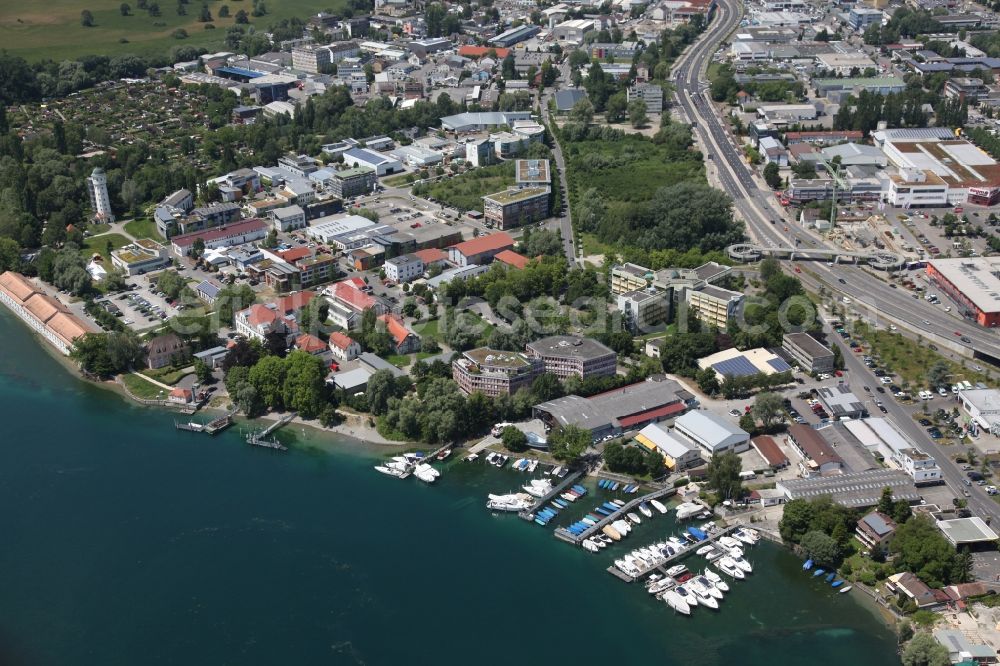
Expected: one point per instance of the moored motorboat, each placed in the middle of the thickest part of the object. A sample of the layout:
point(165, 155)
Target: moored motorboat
point(612, 532)
point(622, 526)
point(512, 502)
point(471, 457)
point(846, 589)
point(712, 589)
point(444, 454)
point(677, 602)
point(702, 594)
point(743, 564)
point(687, 510)
point(388, 470)
point(658, 505)
point(729, 567)
point(590, 545)
point(716, 579)
point(634, 517)
point(687, 595)
point(807, 565)
point(644, 508)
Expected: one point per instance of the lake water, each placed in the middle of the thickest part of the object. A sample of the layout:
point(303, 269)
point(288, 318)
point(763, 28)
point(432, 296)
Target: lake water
point(126, 542)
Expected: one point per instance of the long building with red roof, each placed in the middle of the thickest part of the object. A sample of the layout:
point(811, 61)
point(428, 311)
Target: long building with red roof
point(44, 314)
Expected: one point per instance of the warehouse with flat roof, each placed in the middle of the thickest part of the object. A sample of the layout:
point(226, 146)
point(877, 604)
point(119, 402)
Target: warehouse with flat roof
point(973, 282)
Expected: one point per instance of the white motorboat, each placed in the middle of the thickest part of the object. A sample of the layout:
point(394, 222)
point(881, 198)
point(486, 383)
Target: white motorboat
point(512, 502)
point(569, 497)
point(748, 535)
point(701, 593)
point(704, 550)
point(743, 564)
point(677, 602)
point(710, 587)
point(658, 505)
point(743, 537)
point(660, 586)
point(676, 543)
point(471, 457)
point(388, 470)
point(730, 568)
point(490, 457)
point(846, 589)
point(622, 526)
point(538, 487)
point(687, 510)
point(532, 465)
point(644, 508)
point(634, 517)
point(714, 555)
point(729, 542)
point(687, 595)
point(716, 580)
point(555, 470)
point(676, 570)
point(426, 473)
point(590, 545)
point(735, 552)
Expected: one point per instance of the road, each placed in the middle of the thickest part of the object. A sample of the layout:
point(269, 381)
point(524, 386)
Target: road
point(758, 207)
point(565, 220)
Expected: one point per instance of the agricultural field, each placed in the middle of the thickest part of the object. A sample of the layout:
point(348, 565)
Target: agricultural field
point(53, 30)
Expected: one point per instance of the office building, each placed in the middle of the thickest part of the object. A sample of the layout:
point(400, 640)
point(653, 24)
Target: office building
point(811, 356)
point(495, 373)
point(570, 356)
point(516, 207)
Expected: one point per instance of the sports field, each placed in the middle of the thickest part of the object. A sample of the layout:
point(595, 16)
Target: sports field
point(52, 29)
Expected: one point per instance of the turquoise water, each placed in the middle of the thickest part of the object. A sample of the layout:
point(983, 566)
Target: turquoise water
point(126, 542)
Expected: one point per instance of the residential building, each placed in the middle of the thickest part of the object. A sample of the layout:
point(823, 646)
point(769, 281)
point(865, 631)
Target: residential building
point(348, 302)
point(630, 277)
point(348, 183)
point(44, 314)
point(403, 269)
point(875, 530)
point(818, 457)
point(404, 340)
point(620, 410)
point(715, 305)
point(678, 453)
point(516, 207)
point(908, 587)
point(460, 273)
point(142, 256)
point(164, 350)
point(712, 433)
point(644, 310)
point(570, 356)
point(808, 353)
point(317, 269)
point(311, 345)
point(649, 93)
point(512, 259)
point(289, 218)
point(225, 236)
point(495, 373)
point(100, 202)
point(479, 251)
point(343, 347)
point(261, 320)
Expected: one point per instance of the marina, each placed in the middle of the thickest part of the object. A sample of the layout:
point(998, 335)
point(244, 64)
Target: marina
point(612, 516)
point(557, 490)
point(678, 554)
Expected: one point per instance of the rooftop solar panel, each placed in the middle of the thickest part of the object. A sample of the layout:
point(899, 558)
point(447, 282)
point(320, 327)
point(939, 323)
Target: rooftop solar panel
point(779, 365)
point(736, 367)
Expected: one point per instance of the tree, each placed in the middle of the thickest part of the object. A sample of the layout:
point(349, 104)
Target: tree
point(381, 388)
point(920, 547)
point(582, 112)
point(569, 442)
point(821, 547)
point(724, 475)
point(268, 377)
point(86, 18)
point(616, 108)
point(708, 380)
point(304, 388)
point(637, 113)
point(124, 349)
point(938, 374)
point(205, 16)
point(10, 254)
point(232, 299)
point(125, 9)
point(514, 440)
point(224, 11)
point(203, 372)
point(772, 175)
point(241, 17)
point(768, 408)
point(924, 650)
point(748, 423)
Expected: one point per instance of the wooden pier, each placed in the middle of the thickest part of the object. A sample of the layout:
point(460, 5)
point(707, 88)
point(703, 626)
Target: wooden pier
point(576, 539)
point(662, 566)
point(570, 479)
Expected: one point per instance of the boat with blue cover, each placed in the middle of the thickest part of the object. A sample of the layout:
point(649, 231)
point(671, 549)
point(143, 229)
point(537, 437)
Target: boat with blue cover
point(808, 565)
point(831, 576)
point(697, 534)
point(837, 583)
point(818, 572)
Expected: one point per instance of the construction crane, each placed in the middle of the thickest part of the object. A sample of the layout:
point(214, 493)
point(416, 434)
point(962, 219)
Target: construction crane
point(833, 168)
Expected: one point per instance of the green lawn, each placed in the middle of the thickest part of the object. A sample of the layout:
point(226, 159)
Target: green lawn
point(143, 228)
point(52, 29)
point(427, 328)
point(398, 181)
point(400, 361)
point(140, 388)
point(167, 375)
point(591, 245)
point(98, 228)
point(99, 244)
point(465, 191)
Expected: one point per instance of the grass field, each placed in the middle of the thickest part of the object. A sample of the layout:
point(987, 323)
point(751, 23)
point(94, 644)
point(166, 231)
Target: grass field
point(99, 244)
point(144, 228)
point(141, 388)
point(167, 375)
point(465, 192)
point(52, 30)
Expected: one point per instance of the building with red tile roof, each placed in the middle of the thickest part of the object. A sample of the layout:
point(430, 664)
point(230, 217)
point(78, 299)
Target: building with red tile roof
point(224, 236)
point(181, 395)
point(311, 344)
point(344, 347)
point(431, 256)
point(480, 250)
point(512, 259)
point(770, 452)
point(294, 254)
point(406, 341)
point(41, 312)
point(293, 303)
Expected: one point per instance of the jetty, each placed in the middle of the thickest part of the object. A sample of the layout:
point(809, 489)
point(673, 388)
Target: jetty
point(260, 438)
point(212, 427)
point(576, 539)
point(662, 566)
point(570, 479)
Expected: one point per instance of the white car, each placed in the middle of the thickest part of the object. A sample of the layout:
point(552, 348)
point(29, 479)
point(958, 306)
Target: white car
point(942, 391)
point(947, 308)
point(892, 327)
point(846, 300)
point(886, 380)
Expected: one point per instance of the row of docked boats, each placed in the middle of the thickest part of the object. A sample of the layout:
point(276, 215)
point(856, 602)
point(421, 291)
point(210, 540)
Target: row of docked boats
point(616, 529)
point(613, 486)
point(544, 515)
point(684, 590)
point(524, 465)
point(831, 577)
point(497, 459)
point(409, 464)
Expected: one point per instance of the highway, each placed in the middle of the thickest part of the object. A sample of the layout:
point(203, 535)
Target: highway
point(758, 207)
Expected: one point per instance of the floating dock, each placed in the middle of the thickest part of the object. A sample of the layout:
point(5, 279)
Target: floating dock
point(568, 480)
point(662, 566)
point(260, 438)
point(212, 427)
point(577, 539)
